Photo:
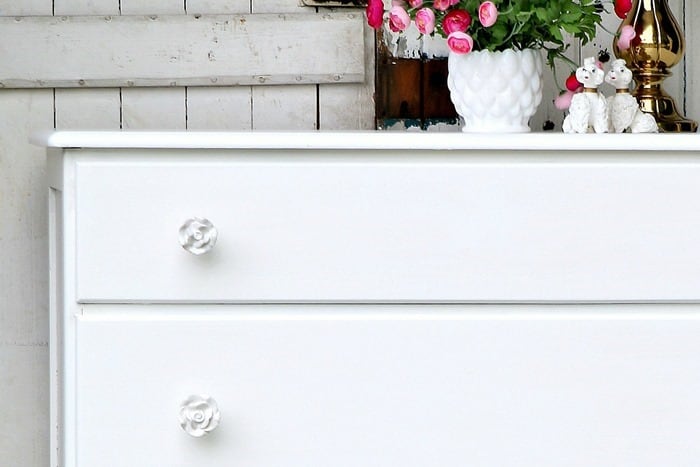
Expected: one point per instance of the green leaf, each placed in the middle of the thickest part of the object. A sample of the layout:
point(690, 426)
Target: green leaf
point(541, 14)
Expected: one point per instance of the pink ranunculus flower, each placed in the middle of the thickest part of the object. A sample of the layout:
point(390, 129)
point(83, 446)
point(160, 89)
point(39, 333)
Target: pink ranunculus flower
point(488, 14)
point(627, 33)
point(442, 5)
point(454, 2)
point(563, 100)
point(622, 7)
point(425, 21)
point(398, 19)
point(460, 42)
point(375, 13)
point(415, 3)
point(456, 20)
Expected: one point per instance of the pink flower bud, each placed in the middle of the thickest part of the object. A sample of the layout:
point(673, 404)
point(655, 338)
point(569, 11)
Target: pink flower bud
point(425, 21)
point(460, 42)
point(563, 100)
point(456, 20)
point(442, 5)
point(488, 14)
point(622, 7)
point(627, 33)
point(375, 13)
point(398, 19)
point(415, 3)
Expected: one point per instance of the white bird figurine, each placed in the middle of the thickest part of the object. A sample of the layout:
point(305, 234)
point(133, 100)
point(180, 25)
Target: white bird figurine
point(589, 109)
point(624, 110)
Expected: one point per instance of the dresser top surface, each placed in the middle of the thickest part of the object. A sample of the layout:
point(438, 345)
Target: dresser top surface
point(368, 140)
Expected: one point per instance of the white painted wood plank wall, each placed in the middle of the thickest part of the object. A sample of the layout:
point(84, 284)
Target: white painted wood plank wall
point(23, 204)
point(24, 352)
point(229, 108)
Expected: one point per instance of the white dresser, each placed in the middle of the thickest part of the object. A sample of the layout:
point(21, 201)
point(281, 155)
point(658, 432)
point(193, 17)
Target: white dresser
point(375, 300)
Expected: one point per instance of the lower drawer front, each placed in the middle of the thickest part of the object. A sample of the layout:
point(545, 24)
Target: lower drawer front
point(388, 230)
point(389, 387)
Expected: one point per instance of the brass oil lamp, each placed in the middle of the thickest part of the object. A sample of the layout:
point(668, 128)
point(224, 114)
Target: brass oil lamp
point(658, 46)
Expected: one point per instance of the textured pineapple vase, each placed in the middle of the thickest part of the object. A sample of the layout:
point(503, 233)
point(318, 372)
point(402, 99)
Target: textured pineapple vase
point(496, 92)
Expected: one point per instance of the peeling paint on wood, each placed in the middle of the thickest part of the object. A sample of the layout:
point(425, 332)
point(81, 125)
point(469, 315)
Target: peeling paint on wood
point(182, 50)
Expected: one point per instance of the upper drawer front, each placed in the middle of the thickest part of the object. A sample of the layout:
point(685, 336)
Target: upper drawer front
point(333, 228)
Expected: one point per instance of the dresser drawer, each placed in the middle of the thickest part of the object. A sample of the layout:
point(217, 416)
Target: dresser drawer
point(385, 386)
point(386, 227)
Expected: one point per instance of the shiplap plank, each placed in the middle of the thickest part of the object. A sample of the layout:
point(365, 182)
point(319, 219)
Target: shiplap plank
point(217, 6)
point(153, 109)
point(24, 405)
point(86, 7)
point(23, 279)
point(293, 108)
point(24, 327)
point(161, 107)
point(87, 109)
point(219, 108)
point(150, 7)
point(279, 6)
point(25, 7)
point(350, 106)
point(177, 50)
point(24, 215)
point(346, 107)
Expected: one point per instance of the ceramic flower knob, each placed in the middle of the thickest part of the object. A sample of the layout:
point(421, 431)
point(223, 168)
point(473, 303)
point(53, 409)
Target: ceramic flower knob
point(199, 415)
point(198, 235)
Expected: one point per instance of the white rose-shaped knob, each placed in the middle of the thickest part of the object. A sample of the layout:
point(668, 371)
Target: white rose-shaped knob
point(197, 235)
point(199, 415)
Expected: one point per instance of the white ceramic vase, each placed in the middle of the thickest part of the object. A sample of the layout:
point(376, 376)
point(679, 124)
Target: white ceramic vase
point(496, 92)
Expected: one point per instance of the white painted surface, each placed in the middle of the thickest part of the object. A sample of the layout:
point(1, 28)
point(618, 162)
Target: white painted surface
point(78, 51)
point(287, 107)
point(387, 386)
point(369, 226)
point(534, 385)
point(597, 148)
point(24, 359)
point(158, 108)
point(219, 108)
point(24, 326)
point(85, 7)
point(221, 6)
point(162, 107)
point(88, 109)
point(23, 317)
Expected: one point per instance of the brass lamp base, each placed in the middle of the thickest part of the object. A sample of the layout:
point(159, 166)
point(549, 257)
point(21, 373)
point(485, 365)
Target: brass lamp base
point(663, 108)
point(658, 45)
